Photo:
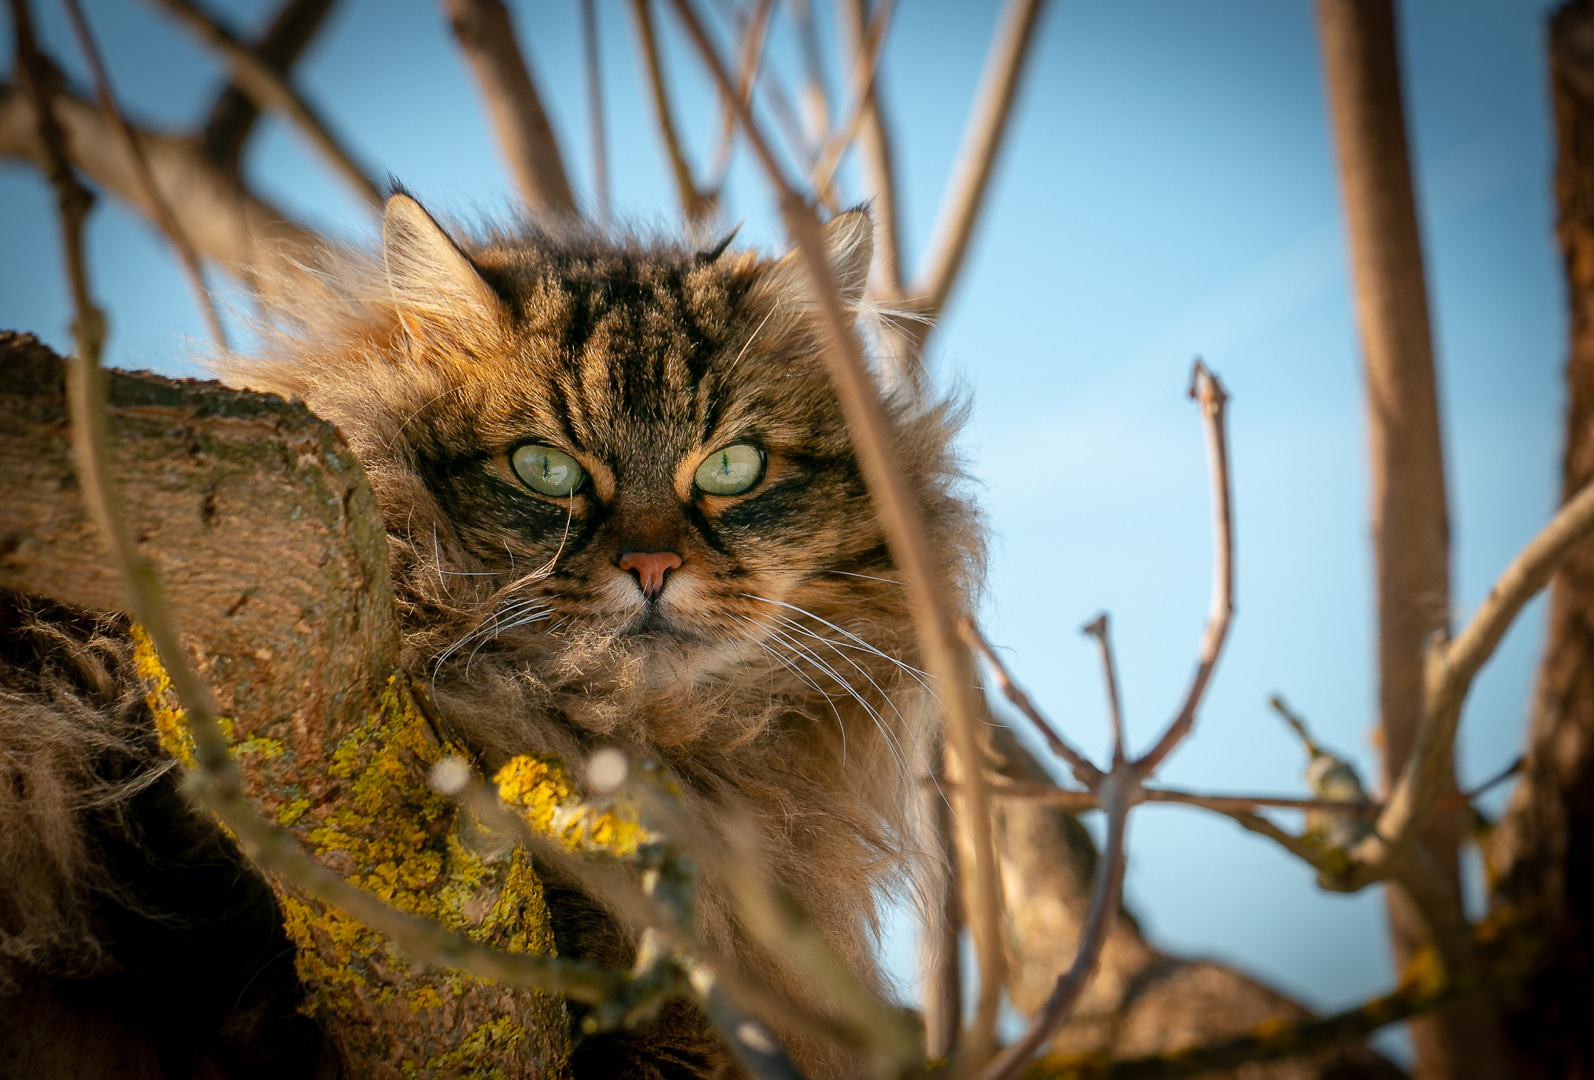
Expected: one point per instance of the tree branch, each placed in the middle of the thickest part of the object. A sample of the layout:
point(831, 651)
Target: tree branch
point(233, 116)
point(866, 63)
point(486, 36)
point(270, 90)
point(875, 137)
point(982, 140)
point(1206, 389)
point(595, 118)
point(220, 217)
point(695, 206)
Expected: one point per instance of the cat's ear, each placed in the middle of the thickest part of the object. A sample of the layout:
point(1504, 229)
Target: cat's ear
point(431, 278)
point(849, 247)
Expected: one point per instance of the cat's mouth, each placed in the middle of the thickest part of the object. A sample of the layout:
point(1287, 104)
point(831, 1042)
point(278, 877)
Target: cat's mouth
point(651, 623)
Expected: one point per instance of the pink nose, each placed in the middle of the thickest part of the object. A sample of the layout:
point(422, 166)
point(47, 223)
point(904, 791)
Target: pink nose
point(650, 567)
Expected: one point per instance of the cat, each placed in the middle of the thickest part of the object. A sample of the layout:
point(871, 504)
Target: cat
point(624, 512)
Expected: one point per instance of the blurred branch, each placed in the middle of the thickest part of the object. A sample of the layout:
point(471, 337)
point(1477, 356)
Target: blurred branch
point(163, 214)
point(1098, 629)
point(921, 569)
point(815, 99)
point(695, 206)
point(754, 33)
point(866, 62)
point(233, 116)
point(874, 136)
point(221, 218)
point(982, 139)
point(486, 36)
point(266, 85)
point(594, 72)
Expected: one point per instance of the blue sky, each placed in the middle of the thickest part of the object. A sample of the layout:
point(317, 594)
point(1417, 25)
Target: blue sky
point(1167, 190)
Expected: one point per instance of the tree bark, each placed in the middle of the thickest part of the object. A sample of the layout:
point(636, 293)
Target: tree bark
point(1410, 521)
point(273, 555)
point(1543, 849)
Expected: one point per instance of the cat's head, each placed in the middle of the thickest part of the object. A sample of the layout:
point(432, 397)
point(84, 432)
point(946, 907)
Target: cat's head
point(630, 449)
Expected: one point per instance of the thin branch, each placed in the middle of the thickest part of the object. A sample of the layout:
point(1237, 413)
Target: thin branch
point(595, 118)
point(1083, 770)
point(815, 101)
point(754, 34)
point(163, 214)
point(920, 567)
point(1106, 895)
point(486, 36)
point(866, 64)
point(875, 136)
point(1097, 628)
point(1086, 800)
point(694, 205)
point(233, 116)
point(982, 140)
point(1423, 782)
point(1209, 393)
point(270, 90)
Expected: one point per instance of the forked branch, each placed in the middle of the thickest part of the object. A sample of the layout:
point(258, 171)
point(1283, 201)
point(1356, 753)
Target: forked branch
point(266, 85)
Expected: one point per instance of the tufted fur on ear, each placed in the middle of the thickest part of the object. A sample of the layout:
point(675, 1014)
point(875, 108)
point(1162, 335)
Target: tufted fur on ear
point(431, 279)
point(849, 247)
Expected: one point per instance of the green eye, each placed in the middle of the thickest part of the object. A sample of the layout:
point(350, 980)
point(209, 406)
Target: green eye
point(731, 470)
point(548, 471)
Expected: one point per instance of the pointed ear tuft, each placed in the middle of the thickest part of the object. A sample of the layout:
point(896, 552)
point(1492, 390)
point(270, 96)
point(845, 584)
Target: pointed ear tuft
point(428, 273)
point(849, 247)
point(703, 258)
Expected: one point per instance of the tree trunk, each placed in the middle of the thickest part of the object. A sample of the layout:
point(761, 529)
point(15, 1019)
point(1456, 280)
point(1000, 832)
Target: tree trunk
point(1543, 850)
point(273, 556)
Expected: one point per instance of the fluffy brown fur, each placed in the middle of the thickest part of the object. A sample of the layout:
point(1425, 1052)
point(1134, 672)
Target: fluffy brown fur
point(775, 670)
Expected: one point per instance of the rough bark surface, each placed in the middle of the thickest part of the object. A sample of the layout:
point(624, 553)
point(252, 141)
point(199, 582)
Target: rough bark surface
point(273, 556)
point(1141, 1001)
point(1543, 850)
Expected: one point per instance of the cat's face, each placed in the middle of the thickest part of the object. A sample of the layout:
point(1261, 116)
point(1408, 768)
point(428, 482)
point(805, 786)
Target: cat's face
point(634, 445)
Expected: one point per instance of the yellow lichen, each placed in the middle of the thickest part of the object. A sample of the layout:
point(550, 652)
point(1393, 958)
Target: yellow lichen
point(542, 790)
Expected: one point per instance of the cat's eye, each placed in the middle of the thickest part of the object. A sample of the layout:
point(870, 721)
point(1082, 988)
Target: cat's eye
point(548, 471)
point(730, 470)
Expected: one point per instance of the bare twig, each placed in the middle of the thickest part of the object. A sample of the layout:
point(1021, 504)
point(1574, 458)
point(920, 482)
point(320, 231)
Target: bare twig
point(486, 36)
point(1118, 796)
point(921, 569)
point(1083, 770)
point(982, 139)
point(163, 214)
point(595, 117)
point(695, 206)
point(866, 63)
point(270, 90)
point(1098, 629)
point(1086, 800)
point(875, 137)
point(234, 113)
point(1206, 389)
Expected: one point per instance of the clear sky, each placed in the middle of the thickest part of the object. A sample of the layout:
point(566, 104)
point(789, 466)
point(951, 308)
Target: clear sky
point(1167, 190)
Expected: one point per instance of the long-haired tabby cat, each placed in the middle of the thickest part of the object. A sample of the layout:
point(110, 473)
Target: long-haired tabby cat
point(624, 511)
